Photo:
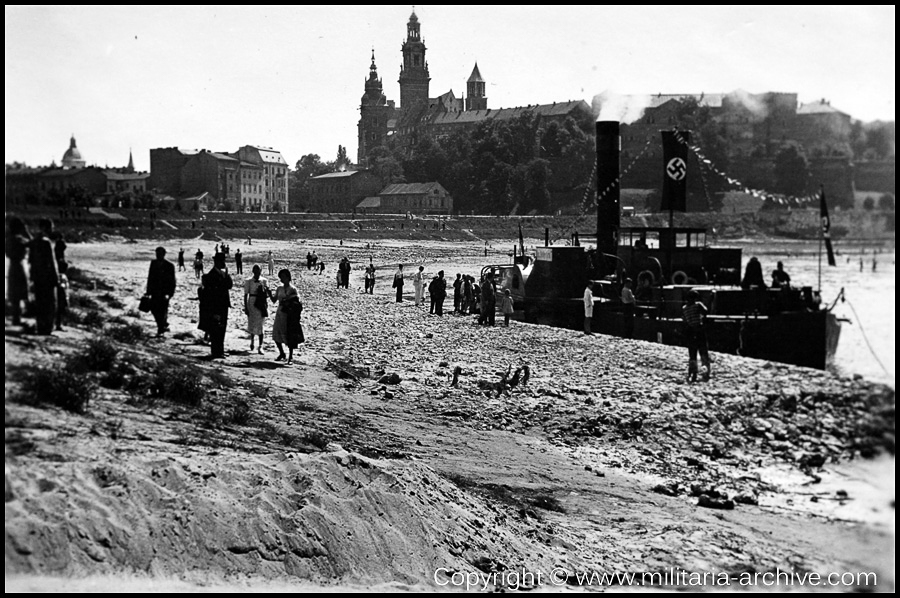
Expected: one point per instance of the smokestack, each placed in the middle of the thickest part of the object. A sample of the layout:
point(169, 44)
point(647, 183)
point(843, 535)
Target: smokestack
point(608, 147)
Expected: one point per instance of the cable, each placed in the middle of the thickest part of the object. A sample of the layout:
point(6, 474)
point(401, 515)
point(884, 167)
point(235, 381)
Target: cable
point(866, 338)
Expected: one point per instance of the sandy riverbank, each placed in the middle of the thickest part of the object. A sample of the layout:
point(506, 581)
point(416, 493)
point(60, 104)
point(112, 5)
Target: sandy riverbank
point(335, 478)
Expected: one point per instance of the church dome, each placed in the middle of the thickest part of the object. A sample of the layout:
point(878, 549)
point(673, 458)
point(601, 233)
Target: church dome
point(72, 158)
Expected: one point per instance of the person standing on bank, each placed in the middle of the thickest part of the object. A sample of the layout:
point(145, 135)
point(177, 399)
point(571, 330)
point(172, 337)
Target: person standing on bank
point(694, 314)
point(419, 284)
point(44, 277)
point(181, 260)
point(487, 313)
point(256, 305)
point(214, 304)
point(344, 271)
point(437, 289)
point(457, 293)
point(17, 240)
point(238, 262)
point(398, 283)
point(271, 264)
point(588, 306)
point(506, 306)
point(161, 287)
point(286, 329)
point(628, 308)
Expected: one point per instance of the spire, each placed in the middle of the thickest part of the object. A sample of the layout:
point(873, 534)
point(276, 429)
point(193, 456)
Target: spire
point(476, 75)
point(72, 142)
point(130, 161)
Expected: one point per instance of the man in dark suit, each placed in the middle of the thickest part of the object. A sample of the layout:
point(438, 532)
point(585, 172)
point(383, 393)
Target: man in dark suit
point(214, 304)
point(161, 287)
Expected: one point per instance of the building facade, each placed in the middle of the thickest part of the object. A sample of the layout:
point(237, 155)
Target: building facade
point(341, 191)
point(274, 175)
point(412, 198)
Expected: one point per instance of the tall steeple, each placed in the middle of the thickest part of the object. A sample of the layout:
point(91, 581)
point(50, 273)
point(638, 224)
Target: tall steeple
point(130, 167)
point(374, 95)
point(375, 111)
point(414, 77)
point(476, 99)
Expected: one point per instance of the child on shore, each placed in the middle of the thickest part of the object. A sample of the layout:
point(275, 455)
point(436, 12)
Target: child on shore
point(694, 314)
point(506, 307)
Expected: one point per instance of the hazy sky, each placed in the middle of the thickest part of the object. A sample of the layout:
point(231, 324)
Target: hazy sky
point(292, 77)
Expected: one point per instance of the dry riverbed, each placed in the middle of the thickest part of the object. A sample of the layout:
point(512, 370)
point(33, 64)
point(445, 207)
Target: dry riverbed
point(364, 465)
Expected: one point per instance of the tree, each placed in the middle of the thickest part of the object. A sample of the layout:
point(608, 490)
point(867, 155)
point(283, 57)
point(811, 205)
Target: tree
point(342, 161)
point(791, 170)
point(869, 203)
point(386, 166)
point(307, 166)
point(886, 202)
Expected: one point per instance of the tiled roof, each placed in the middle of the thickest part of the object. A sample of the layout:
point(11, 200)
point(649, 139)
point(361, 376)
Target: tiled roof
point(474, 116)
point(410, 188)
point(370, 202)
point(818, 107)
point(712, 100)
point(335, 175)
point(270, 155)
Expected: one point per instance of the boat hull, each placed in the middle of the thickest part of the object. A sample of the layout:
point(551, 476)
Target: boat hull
point(803, 338)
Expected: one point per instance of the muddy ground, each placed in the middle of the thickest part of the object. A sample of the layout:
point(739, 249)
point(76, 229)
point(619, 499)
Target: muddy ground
point(335, 473)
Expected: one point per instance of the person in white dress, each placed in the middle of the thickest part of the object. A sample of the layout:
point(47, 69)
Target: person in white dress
point(256, 308)
point(419, 284)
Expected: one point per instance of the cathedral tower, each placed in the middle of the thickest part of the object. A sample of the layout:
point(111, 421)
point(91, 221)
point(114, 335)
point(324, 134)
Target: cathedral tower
point(414, 76)
point(374, 113)
point(475, 98)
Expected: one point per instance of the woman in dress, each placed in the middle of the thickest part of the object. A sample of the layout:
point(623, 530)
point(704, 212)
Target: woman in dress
point(287, 329)
point(17, 240)
point(256, 298)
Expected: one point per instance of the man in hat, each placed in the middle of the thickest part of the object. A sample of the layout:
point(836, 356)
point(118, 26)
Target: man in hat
point(214, 304)
point(161, 287)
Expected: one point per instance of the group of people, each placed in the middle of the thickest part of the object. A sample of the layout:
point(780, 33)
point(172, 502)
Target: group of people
point(46, 282)
point(214, 294)
point(753, 276)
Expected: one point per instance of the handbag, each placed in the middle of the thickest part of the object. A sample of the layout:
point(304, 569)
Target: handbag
point(144, 304)
point(261, 303)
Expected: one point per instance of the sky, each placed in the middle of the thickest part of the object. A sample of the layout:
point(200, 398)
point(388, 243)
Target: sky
point(133, 78)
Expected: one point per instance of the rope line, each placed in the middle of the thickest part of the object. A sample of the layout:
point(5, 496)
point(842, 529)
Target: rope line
point(866, 338)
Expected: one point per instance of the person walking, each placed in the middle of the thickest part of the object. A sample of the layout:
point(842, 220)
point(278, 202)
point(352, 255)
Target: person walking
point(256, 305)
point(181, 267)
point(271, 264)
point(588, 306)
point(238, 262)
point(287, 329)
point(370, 278)
point(17, 240)
point(44, 276)
point(214, 305)
point(506, 306)
point(398, 283)
point(198, 264)
point(419, 285)
point(160, 288)
point(694, 315)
